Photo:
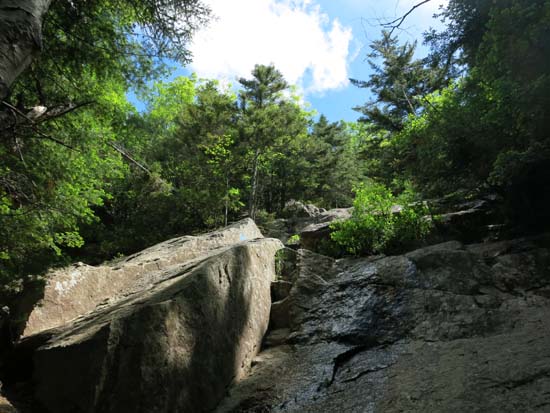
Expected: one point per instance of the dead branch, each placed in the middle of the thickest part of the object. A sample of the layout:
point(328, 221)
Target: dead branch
point(395, 24)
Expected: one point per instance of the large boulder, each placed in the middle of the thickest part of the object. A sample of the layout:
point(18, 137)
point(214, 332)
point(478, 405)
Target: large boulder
point(297, 209)
point(74, 291)
point(172, 340)
point(470, 221)
point(447, 328)
point(316, 235)
point(307, 221)
point(280, 228)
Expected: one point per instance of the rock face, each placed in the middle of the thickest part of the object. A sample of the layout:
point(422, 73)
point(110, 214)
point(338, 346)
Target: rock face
point(171, 340)
point(77, 290)
point(470, 221)
point(447, 328)
point(297, 209)
point(307, 221)
point(179, 328)
point(314, 235)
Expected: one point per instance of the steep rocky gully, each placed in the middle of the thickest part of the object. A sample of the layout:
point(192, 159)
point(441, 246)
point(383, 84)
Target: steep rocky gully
point(234, 322)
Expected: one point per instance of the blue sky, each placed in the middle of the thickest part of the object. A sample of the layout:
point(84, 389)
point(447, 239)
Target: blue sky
point(364, 18)
point(317, 44)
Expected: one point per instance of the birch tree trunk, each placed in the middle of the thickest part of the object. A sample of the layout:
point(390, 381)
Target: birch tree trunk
point(20, 38)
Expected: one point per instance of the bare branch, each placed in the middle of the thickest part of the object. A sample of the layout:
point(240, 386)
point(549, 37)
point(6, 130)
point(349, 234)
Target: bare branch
point(395, 24)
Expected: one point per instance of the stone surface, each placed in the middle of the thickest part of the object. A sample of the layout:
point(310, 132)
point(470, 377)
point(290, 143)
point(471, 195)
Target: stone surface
point(470, 221)
point(280, 228)
point(280, 314)
point(297, 209)
point(6, 406)
point(447, 328)
point(316, 235)
point(280, 289)
point(311, 226)
point(175, 346)
point(164, 330)
point(77, 290)
point(466, 221)
point(274, 338)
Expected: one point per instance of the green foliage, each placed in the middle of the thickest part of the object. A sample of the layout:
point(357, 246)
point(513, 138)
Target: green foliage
point(199, 158)
point(264, 218)
point(332, 163)
point(94, 42)
point(48, 190)
point(59, 173)
point(105, 180)
point(524, 177)
point(442, 149)
point(294, 239)
point(379, 224)
point(489, 129)
point(166, 100)
point(269, 124)
point(263, 88)
point(398, 83)
point(201, 146)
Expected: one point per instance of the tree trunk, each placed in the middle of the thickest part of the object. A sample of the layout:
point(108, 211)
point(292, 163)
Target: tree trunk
point(254, 186)
point(20, 38)
point(226, 212)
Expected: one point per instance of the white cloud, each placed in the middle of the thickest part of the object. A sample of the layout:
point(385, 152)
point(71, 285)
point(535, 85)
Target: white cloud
point(296, 36)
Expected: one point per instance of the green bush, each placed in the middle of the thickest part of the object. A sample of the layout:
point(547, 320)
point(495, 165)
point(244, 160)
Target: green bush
point(294, 240)
point(378, 225)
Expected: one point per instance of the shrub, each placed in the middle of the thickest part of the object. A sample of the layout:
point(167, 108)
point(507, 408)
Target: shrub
point(379, 224)
point(264, 218)
point(294, 240)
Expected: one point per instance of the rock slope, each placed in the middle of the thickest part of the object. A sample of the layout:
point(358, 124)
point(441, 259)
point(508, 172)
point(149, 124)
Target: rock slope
point(179, 328)
point(447, 328)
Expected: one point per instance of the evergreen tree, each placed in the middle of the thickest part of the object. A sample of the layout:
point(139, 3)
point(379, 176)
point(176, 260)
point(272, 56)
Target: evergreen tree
point(260, 100)
point(399, 82)
point(334, 164)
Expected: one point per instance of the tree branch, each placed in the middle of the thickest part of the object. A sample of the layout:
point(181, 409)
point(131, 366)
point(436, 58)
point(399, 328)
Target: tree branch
point(395, 24)
point(34, 127)
point(127, 156)
point(63, 110)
